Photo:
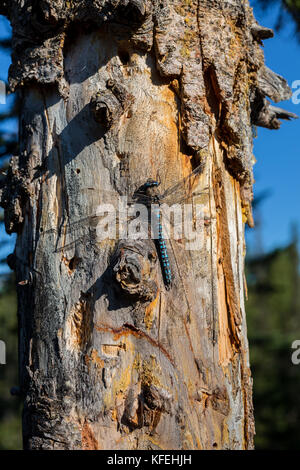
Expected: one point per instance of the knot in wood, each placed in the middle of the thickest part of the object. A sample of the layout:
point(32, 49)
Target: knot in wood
point(157, 398)
point(47, 15)
point(14, 193)
point(219, 400)
point(134, 269)
point(134, 11)
point(106, 108)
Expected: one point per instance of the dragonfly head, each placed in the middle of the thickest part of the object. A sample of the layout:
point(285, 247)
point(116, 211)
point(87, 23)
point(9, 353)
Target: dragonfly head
point(151, 189)
point(148, 189)
point(151, 184)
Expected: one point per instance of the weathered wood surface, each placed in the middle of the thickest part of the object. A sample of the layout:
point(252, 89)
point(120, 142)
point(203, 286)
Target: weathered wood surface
point(113, 92)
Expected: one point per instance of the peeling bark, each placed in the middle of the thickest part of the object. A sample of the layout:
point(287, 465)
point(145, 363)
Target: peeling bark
point(115, 92)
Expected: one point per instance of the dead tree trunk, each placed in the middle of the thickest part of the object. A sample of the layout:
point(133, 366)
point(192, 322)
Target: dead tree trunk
point(114, 92)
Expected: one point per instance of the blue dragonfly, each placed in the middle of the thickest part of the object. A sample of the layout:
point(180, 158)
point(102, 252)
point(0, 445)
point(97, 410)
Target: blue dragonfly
point(149, 196)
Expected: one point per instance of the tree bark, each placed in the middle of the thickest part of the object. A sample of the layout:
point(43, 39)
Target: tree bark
point(114, 92)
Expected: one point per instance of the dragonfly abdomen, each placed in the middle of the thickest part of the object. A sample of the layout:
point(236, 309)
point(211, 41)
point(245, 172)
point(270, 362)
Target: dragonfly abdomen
point(163, 253)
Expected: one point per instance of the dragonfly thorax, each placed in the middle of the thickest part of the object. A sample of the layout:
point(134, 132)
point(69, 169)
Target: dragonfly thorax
point(151, 190)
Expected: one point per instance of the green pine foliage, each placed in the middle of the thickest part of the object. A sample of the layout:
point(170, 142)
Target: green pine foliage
point(288, 7)
point(10, 406)
point(273, 313)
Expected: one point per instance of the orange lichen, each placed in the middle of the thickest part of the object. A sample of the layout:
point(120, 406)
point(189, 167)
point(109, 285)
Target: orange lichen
point(228, 297)
point(88, 440)
point(155, 442)
point(94, 359)
point(130, 330)
point(149, 313)
point(79, 325)
point(224, 343)
point(118, 388)
point(149, 372)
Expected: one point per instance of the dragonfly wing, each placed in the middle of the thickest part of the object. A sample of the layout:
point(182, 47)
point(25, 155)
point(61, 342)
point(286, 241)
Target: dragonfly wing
point(93, 227)
point(68, 234)
point(183, 190)
point(106, 196)
point(68, 245)
point(182, 197)
point(185, 224)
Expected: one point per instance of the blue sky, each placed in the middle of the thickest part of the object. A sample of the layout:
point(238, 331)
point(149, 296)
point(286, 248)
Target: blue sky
point(277, 152)
point(9, 126)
